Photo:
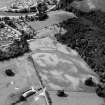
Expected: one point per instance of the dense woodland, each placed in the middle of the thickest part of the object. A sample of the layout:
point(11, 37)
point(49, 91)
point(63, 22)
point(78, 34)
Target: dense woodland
point(86, 34)
point(17, 48)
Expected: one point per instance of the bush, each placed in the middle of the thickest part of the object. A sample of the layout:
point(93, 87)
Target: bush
point(61, 93)
point(5, 18)
point(42, 7)
point(89, 82)
point(9, 72)
point(33, 9)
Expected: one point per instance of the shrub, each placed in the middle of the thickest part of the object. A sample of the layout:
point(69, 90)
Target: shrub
point(61, 93)
point(9, 72)
point(42, 7)
point(90, 82)
point(33, 9)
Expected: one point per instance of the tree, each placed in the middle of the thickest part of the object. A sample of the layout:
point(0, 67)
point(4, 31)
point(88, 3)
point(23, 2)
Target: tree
point(100, 90)
point(61, 93)
point(9, 72)
point(2, 25)
point(33, 9)
point(42, 7)
point(90, 82)
point(10, 23)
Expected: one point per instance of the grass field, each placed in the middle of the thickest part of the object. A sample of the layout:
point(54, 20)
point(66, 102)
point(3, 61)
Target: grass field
point(55, 17)
point(76, 98)
point(62, 71)
point(24, 78)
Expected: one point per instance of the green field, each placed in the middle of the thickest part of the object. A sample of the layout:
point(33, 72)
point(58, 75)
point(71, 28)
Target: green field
point(69, 73)
point(76, 98)
point(24, 78)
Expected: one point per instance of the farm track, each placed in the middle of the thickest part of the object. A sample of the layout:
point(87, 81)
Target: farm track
point(40, 80)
